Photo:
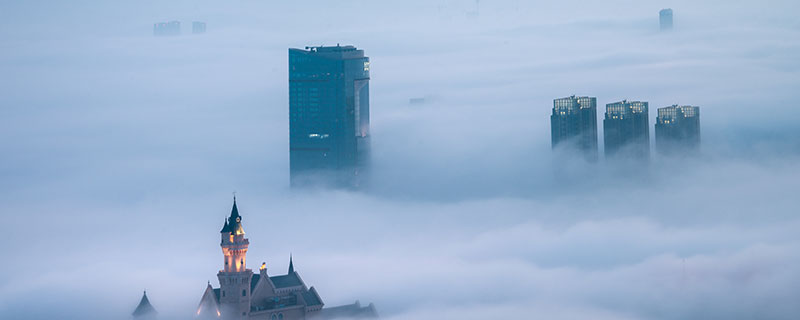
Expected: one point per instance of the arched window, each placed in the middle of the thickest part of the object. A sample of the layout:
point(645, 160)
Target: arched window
point(280, 316)
point(274, 317)
point(244, 293)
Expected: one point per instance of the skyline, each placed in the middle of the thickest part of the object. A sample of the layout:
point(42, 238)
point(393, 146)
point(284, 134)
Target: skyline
point(120, 151)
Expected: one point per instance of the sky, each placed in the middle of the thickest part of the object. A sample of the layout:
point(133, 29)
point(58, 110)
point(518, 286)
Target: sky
point(120, 151)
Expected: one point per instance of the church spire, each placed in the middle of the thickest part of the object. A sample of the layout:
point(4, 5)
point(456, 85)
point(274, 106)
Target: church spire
point(291, 264)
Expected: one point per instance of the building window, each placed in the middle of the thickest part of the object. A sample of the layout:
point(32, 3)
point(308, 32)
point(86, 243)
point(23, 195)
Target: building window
point(274, 317)
point(244, 293)
point(223, 293)
point(280, 316)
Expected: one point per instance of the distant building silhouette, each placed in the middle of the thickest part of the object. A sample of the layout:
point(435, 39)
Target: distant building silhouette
point(626, 129)
point(172, 28)
point(245, 295)
point(665, 19)
point(678, 130)
point(328, 116)
point(144, 311)
point(573, 124)
point(198, 27)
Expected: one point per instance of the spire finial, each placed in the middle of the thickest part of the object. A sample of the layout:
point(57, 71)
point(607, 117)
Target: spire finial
point(291, 264)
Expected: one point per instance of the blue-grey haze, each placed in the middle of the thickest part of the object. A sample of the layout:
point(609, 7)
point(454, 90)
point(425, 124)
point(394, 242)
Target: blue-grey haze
point(119, 151)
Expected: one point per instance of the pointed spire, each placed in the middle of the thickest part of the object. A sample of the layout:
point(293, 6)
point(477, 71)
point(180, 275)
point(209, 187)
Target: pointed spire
point(234, 210)
point(144, 308)
point(225, 227)
point(291, 264)
point(235, 220)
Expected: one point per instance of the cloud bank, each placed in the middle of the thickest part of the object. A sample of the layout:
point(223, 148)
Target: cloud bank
point(120, 151)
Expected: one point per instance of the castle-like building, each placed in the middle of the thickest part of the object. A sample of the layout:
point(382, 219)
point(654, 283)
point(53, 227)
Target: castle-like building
point(245, 295)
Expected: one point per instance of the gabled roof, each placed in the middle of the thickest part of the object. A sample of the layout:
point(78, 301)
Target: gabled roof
point(311, 297)
point(144, 308)
point(286, 281)
point(209, 303)
point(254, 281)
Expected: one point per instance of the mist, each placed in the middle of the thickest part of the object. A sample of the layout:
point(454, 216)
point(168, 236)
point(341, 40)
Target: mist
point(120, 151)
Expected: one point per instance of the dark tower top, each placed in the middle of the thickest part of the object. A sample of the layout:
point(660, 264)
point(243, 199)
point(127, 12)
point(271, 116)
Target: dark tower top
point(145, 309)
point(291, 265)
point(233, 224)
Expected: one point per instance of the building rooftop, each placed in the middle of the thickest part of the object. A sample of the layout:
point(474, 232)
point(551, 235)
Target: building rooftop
point(337, 51)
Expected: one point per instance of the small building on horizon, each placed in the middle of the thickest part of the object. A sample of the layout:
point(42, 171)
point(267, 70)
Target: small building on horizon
point(665, 19)
point(171, 28)
point(198, 27)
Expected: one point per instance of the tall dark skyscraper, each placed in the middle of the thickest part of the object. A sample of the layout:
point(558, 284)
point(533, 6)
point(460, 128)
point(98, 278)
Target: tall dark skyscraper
point(626, 129)
point(678, 130)
point(328, 116)
point(573, 124)
point(665, 19)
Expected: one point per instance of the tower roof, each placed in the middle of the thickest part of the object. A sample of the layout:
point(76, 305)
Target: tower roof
point(291, 265)
point(234, 223)
point(226, 227)
point(234, 210)
point(144, 308)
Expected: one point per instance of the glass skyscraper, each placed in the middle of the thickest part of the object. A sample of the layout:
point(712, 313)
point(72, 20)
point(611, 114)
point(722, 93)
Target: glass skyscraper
point(678, 130)
point(573, 124)
point(626, 129)
point(328, 116)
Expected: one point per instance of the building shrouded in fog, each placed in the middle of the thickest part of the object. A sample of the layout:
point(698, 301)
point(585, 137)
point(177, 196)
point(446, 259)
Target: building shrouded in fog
point(244, 294)
point(144, 311)
point(678, 130)
point(172, 28)
point(665, 19)
point(573, 124)
point(626, 130)
point(328, 115)
point(198, 27)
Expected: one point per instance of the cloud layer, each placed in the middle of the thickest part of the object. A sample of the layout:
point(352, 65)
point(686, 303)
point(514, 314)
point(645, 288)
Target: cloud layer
point(120, 151)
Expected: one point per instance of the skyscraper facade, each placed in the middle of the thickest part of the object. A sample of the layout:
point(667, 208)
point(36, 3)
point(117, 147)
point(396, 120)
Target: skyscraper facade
point(626, 129)
point(328, 116)
point(665, 19)
point(573, 124)
point(678, 130)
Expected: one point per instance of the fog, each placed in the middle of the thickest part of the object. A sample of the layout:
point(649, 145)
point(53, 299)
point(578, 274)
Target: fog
point(119, 152)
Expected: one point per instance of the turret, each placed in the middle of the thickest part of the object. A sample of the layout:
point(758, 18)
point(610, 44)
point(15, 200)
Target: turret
point(234, 278)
